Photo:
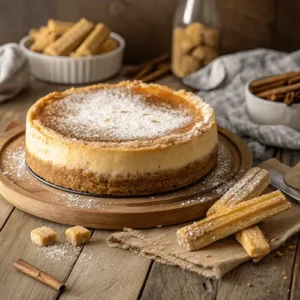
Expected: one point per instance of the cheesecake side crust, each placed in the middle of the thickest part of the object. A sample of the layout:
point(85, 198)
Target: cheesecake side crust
point(132, 185)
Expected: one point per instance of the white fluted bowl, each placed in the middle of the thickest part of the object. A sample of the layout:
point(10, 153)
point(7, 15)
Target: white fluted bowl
point(265, 112)
point(75, 70)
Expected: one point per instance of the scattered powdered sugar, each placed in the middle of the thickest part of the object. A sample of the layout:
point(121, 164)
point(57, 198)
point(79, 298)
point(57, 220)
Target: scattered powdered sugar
point(59, 252)
point(113, 114)
point(14, 162)
point(75, 200)
point(217, 182)
point(80, 201)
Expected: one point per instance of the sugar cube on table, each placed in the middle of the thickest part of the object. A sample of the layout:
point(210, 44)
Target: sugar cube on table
point(78, 235)
point(43, 236)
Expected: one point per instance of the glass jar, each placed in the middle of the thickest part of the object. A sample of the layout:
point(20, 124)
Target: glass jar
point(195, 41)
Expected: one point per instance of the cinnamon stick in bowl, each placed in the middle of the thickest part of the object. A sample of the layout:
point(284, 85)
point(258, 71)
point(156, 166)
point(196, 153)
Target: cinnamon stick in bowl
point(280, 90)
point(276, 106)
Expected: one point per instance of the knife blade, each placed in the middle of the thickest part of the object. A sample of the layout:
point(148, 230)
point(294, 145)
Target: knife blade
point(278, 182)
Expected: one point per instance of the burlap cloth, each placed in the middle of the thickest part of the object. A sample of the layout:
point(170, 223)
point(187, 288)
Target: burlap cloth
point(217, 259)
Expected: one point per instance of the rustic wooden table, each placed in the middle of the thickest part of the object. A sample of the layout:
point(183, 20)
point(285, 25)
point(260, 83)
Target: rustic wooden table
point(96, 271)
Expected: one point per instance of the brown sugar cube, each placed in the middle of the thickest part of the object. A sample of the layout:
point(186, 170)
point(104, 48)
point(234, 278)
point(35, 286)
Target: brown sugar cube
point(43, 236)
point(78, 235)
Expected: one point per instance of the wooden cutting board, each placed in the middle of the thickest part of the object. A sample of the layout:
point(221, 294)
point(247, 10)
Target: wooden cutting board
point(27, 193)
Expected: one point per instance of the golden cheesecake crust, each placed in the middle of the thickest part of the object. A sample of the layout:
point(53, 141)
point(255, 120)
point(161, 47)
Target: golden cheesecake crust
point(131, 185)
point(129, 138)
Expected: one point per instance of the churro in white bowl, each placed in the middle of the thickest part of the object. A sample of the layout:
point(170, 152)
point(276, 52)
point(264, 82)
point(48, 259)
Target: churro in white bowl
point(78, 53)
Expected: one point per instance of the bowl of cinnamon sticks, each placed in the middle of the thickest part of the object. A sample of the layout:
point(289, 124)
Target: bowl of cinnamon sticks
point(275, 100)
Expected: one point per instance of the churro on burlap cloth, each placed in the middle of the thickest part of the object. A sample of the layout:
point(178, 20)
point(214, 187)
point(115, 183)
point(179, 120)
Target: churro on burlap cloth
point(219, 257)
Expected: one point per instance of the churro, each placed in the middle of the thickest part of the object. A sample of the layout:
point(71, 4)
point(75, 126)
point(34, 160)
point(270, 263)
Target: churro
point(42, 40)
point(92, 44)
point(109, 45)
point(253, 241)
point(251, 185)
point(71, 39)
point(231, 220)
point(60, 27)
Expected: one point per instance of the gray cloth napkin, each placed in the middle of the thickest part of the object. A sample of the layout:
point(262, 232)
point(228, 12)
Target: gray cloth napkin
point(222, 85)
point(14, 71)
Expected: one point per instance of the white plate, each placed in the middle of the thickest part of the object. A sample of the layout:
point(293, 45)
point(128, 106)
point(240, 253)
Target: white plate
point(70, 70)
point(266, 112)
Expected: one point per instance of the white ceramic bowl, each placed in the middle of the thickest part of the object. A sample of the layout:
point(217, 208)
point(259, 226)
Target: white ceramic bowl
point(266, 112)
point(70, 70)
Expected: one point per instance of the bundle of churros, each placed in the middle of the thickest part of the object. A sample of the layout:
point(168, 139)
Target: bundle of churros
point(238, 212)
point(80, 39)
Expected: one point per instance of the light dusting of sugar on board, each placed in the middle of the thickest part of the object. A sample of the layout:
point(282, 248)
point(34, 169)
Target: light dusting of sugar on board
point(14, 163)
point(217, 180)
point(115, 114)
point(80, 201)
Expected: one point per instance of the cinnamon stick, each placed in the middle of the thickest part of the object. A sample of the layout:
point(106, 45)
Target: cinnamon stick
point(273, 79)
point(133, 70)
point(294, 79)
point(163, 69)
point(268, 86)
point(279, 97)
point(289, 98)
point(280, 90)
point(39, 275)
point(144, 71)
point(156, 60)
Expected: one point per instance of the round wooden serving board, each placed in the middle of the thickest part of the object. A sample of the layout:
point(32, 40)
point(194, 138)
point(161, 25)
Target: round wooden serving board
point(27, 193)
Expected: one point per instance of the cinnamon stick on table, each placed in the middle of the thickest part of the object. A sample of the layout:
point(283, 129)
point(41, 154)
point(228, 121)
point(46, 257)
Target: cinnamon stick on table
point(143, 72)
point(162, 69)
point(39, 275)
point(134, 70)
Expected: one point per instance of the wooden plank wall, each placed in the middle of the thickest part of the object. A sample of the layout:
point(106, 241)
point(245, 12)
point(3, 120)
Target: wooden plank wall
point(147, 24)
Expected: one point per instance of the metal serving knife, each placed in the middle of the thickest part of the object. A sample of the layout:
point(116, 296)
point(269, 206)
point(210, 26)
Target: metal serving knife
point(278, 182)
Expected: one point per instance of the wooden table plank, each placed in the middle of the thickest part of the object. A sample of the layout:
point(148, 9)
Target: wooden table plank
point(295, 288)
point(170, 282)
point(102, 272)
point(267, 275)
point(15, 243)
point(5, 211)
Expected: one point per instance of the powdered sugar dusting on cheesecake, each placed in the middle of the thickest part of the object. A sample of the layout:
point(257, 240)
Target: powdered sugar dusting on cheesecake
point(114, 114)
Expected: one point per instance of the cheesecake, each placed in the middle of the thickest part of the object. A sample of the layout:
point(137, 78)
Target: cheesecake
point(124, 139)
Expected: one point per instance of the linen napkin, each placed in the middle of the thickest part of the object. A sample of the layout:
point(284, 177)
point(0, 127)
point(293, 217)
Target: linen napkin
point(218, 258)
point(14, 71)
point(222, 85)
